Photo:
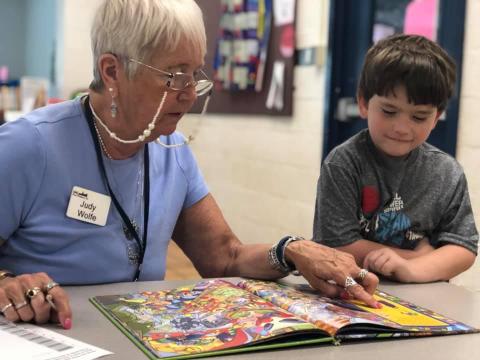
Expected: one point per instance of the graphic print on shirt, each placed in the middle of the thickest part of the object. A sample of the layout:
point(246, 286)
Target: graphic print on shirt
point(389, 225)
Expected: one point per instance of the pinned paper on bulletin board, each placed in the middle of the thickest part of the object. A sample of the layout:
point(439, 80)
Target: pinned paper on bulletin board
point(242, 45)
point(252, 99)
point(421, 17)
point(284, 16)
point(284, 12)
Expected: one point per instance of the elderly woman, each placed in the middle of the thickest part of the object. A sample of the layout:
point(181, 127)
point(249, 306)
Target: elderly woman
point(94, 189)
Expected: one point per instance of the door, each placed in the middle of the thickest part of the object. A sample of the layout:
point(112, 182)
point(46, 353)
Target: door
point(354, 26)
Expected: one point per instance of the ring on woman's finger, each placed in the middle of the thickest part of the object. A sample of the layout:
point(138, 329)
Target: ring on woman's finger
point(21, 305)
point(362, 274)
point(50, 286)
point(5, 308)
point(349, 282)
point(31, 293)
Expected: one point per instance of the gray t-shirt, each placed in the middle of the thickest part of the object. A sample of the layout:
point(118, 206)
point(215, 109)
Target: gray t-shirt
point(365, 194)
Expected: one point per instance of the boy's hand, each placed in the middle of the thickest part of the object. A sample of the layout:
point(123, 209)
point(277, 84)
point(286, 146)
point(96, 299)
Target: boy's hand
point(388, 263)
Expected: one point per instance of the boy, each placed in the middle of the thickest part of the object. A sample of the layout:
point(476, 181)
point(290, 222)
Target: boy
point(399, 205)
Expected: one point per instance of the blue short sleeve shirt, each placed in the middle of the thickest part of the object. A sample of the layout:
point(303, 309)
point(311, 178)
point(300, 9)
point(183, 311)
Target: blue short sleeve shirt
point(48, 152)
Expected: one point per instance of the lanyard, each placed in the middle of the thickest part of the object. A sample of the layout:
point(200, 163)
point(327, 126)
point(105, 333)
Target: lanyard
point(142, 244)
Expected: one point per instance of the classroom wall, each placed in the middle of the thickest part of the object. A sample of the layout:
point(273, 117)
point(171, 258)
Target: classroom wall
point(12, 36)
point(40, 40)
point(263, 170)
point(74, 66)
point(468, 148)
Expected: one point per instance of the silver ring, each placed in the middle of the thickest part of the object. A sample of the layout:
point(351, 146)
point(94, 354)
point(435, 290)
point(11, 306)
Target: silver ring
point(349, 282)
point(362, 274)
point(31, 293)
point(50, 286)
point(5, 308)
point(21, 305)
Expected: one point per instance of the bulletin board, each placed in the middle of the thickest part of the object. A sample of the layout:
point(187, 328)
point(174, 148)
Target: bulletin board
point(244, 102)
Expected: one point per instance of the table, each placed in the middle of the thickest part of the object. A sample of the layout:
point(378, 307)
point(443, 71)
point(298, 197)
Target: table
point(90, 326)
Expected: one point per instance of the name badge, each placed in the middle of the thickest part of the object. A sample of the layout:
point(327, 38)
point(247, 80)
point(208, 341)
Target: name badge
point(88, 206)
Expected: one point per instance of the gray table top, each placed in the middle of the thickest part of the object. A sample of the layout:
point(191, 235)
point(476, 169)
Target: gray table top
point(90, 326)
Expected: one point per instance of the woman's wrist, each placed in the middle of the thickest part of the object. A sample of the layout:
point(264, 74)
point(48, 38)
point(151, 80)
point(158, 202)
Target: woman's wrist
point(277, 258)
point(289, 249)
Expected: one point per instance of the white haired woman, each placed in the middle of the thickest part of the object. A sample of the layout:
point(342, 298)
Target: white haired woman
point(94, 189)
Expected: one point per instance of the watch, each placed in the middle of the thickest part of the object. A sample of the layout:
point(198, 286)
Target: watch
point(276, 255)
point(292, 269)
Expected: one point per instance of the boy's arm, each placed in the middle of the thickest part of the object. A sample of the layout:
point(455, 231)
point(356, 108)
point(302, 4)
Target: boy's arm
point(441, 264)
point(361, 248)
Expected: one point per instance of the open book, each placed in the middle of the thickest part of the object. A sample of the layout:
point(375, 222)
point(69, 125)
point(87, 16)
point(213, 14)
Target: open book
point(216, 317)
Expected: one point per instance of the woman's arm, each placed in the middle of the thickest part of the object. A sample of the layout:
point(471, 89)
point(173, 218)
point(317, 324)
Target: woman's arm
point(205, 237)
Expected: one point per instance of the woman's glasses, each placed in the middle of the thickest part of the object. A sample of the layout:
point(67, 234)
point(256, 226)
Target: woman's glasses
point(180, 81)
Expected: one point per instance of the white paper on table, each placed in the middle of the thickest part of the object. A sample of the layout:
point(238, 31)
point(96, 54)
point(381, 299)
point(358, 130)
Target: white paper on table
point(30, 342)
point(283, 12)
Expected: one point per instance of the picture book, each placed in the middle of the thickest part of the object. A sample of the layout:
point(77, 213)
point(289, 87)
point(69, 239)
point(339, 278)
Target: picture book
point(216, 317)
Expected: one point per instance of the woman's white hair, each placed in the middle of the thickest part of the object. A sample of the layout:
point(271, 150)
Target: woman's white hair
point(137, 28)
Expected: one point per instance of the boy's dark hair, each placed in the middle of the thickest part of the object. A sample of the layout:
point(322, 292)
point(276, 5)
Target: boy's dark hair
point(419, 64)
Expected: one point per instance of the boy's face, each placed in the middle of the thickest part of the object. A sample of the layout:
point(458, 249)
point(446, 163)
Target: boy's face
point(395, 125)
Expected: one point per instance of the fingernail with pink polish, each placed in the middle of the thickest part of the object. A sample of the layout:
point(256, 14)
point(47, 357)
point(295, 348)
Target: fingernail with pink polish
point(67, 324)
point(344, 295)
point(378, 305)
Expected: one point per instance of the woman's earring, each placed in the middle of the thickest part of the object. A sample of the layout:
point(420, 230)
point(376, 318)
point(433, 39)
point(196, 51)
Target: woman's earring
point(113, 106)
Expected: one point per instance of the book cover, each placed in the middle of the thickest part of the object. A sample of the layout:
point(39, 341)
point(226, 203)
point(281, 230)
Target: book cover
point(216, 317)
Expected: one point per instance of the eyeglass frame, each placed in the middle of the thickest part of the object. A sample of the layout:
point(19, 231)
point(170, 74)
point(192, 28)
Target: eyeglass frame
point(171, 76)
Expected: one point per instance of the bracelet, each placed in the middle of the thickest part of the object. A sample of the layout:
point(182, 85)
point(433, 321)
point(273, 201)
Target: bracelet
point(276, 255)
point(274, 261)
point(5, 273)
point(292, 269)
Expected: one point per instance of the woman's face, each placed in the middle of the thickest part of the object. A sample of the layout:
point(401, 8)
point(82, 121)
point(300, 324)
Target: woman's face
point(139, 98)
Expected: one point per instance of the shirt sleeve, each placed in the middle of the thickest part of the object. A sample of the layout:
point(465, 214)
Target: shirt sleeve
point(336, 221)
point(457, 225)
point(197, 187)
point(22, 159)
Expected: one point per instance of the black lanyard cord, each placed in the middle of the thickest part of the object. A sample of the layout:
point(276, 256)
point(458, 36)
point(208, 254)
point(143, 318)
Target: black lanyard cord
point(142, 244)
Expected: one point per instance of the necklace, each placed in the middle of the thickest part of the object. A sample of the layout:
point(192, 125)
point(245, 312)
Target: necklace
point(145, 199)
point(133, 251)
point(102, 144)
point(137, 203)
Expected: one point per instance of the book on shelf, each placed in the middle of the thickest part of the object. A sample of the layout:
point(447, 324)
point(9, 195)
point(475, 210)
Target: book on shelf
point(215, 317)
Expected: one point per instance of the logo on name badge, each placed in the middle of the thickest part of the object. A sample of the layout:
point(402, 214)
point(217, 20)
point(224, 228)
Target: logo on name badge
point(88, 206)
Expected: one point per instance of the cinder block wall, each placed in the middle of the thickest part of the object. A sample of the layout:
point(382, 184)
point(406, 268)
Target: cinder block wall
point(263, 170)
point(468, 148)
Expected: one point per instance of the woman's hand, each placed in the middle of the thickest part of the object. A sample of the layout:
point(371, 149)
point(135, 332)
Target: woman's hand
point(34, 297)
point(327, 270)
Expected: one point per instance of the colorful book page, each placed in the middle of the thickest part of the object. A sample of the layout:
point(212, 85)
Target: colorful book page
point(209, 316)
point(332, 315)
